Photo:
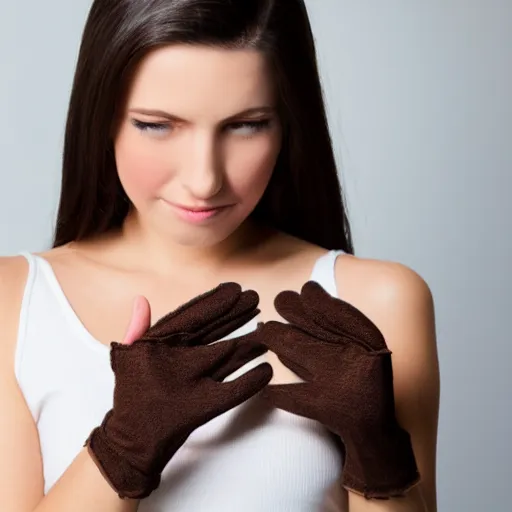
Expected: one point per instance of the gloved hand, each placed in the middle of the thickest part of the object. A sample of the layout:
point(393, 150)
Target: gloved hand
point(345, 363)
point(169, 382)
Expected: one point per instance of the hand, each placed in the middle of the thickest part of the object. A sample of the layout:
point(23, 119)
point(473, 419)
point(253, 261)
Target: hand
point(168, 382)
point(345, 363)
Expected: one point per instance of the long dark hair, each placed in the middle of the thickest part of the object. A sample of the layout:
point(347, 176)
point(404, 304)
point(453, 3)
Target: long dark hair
point(303, 197)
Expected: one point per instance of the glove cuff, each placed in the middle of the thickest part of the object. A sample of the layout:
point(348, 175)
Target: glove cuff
point(382, 469)
point(126, 480)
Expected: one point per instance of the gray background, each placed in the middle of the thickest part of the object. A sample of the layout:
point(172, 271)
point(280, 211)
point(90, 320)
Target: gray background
point(419, 102)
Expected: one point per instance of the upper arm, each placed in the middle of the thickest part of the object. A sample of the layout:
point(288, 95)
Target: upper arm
point(400, 303)
point(21, 480)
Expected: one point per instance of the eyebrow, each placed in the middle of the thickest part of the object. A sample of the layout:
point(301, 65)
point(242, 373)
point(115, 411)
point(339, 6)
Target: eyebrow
point(161, 113)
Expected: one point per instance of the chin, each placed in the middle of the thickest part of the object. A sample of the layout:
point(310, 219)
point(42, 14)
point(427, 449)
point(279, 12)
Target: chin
point(203, 237)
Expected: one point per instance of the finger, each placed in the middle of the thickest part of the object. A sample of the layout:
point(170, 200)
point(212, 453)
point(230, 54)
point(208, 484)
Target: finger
point(222, 359)
point(291, 307)
point(242, 312)
point(203, 360)
point(296, 398)
point(299, 369)
point(203, 313)
point(340, 317)
point(197, 311)
point(272, 333)
point(293, 344)
point(244, 352)
point(237, 391)
point(124, 354)
point(139, 322)
point(328, 318)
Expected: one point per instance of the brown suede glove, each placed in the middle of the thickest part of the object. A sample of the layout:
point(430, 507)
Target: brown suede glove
point(345, 363)
point(168, 383)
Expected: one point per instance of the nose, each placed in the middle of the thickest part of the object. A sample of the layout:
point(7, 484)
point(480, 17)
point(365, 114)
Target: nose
point(203, 176)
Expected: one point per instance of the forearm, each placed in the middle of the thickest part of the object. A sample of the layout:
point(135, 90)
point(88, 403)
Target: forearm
point(83, 488)
point(412, 502)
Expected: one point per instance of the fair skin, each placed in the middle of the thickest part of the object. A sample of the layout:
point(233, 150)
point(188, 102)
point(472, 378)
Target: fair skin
point(205, 155)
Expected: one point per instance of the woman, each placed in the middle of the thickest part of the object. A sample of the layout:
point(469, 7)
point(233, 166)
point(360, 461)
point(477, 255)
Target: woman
point(197, 152)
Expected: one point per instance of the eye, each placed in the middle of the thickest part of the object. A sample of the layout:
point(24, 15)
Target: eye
point(248, 128)
point(245, 128)
point(150, 127)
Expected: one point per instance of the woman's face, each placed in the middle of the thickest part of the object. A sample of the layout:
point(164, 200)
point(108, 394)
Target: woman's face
point(198, 140)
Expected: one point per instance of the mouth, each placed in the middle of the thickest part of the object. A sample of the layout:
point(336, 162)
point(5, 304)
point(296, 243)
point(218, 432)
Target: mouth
point(197, 213)
point(199, 208)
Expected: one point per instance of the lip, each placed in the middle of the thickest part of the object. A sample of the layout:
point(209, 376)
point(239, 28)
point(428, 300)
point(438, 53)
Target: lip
point(197, 214)
point(198, 208)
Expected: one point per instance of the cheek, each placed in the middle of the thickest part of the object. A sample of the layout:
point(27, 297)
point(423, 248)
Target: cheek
point(141, 169)
point(251, 167)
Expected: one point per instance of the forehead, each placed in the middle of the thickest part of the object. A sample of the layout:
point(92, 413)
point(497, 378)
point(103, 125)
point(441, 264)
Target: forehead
point(200, 80)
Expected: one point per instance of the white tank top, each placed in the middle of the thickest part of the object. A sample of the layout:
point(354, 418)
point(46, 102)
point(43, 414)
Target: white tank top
point(251, 458)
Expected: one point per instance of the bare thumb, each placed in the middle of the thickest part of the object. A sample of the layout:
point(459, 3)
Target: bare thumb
point(140, 321)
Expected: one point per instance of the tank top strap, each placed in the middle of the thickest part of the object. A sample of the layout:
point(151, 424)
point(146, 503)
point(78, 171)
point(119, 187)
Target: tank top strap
point(31, 259)
point(324, 271)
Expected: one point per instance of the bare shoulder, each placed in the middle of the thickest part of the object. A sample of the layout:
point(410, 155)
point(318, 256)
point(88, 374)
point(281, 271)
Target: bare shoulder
point(13, 269)
point(13, 277)
point(380, 288)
